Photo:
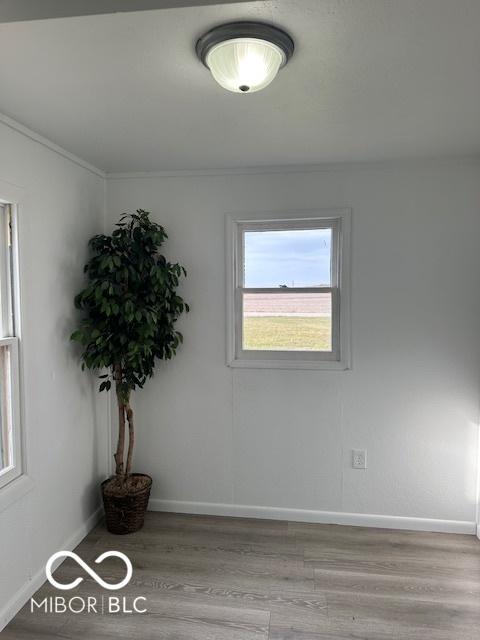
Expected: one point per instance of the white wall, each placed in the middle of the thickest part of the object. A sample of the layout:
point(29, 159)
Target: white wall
point(270, 438)
point(211, 435)
point(61, 206)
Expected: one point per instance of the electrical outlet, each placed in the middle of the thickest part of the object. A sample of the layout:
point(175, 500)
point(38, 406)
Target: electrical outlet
point(359, 458)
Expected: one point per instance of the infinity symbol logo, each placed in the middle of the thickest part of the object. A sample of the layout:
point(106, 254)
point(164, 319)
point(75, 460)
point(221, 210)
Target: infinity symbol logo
point(87, 569)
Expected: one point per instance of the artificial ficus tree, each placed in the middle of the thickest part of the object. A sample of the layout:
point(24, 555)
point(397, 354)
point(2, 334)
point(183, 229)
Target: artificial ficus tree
point(130, 310)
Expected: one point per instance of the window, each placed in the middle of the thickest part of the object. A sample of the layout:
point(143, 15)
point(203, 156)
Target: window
point(10, 441)
point(288, 290)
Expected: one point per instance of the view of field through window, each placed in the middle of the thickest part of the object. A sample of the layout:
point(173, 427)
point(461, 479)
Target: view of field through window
point(290, 320)
point(287, 321)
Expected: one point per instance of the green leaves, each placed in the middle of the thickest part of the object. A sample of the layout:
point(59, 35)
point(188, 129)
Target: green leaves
point(130, 303)
point(77, 336)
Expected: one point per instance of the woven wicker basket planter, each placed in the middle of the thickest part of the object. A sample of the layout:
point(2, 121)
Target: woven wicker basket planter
point(126, 513)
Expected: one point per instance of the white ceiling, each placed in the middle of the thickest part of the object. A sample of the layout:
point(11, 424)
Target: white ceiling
point(370, 80)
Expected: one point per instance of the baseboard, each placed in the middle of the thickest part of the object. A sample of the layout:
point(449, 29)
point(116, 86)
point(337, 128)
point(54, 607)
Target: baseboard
point(14, 605)
point(324, 517)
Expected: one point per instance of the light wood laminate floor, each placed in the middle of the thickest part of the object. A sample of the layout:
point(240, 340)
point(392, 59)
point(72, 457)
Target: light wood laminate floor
point(212, 578)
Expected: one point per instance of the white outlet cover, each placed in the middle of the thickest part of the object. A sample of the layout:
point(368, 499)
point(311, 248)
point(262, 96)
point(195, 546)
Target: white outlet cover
point(359, 458)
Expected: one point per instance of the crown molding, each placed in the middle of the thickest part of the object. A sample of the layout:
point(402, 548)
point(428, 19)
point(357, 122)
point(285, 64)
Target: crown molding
point(404, 163)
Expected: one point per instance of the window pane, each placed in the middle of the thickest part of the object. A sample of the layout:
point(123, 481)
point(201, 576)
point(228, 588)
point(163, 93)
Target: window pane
point(288, 258)
point(5, 431)
point(287, 321)
point(6, 271)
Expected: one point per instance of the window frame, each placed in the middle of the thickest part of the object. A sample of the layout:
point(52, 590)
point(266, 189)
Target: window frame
point(339, 221)
point(9, 339)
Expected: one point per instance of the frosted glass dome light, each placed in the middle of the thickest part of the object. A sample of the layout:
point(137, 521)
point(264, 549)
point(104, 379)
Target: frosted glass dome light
point(245, 57)
point(244, 65)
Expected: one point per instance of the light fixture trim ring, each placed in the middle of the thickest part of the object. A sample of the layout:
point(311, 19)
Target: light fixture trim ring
point(236, 30)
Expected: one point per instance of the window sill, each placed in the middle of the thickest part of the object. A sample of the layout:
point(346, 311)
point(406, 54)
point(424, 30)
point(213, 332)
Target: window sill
point(15, 490)
point(325, 365)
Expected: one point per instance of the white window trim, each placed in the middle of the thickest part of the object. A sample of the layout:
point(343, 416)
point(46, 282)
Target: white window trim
point(14, 470)
point(238, 222)
point(13, 477)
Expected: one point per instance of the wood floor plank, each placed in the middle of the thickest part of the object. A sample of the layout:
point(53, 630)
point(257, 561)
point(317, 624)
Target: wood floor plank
point(216, 523)
point(183, 621)
point(404, 549)
point(240, 575)
point(160, 592)
point(289, 634)
point(449, 590)
point(462, 567)
point(266, 600)
point(151, 538)
point(384, 565)
point(372, 537)
point(207, 544)
point(380, 617)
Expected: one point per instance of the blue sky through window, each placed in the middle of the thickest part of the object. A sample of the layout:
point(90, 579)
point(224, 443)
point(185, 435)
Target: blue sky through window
point(295, 258)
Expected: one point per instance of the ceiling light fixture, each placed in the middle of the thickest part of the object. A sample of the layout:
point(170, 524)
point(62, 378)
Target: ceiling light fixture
point(245, 57)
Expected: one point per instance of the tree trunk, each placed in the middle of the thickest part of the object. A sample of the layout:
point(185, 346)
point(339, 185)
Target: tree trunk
point(121, 425)
point(121, 439)
point(131, 439)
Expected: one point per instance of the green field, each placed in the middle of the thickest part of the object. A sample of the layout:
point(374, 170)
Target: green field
point(287, 332)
